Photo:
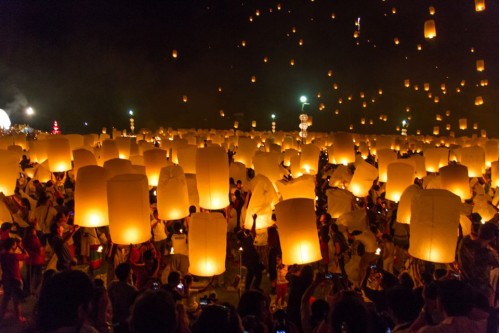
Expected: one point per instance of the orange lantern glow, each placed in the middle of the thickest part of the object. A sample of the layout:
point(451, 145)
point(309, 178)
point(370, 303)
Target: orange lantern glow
point(172, 194)
point(404, 206)
point(91, 202)
point(399, 176)
point(212, 175)
point(59, 154)
point(154, 160)
point(455, 178)
point(429, 29)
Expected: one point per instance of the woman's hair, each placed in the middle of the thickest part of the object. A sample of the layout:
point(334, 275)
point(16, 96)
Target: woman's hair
point(152, 312)
point(218, 319)
point(61, 298)
point(349, 314)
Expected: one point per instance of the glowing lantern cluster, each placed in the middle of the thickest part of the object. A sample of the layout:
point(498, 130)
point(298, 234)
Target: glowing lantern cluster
point(9, 171)
point(91, 203)
point(404, 206)
point(207, 244)
point(154, 160)
point(296, 221)
point(455, 178)
point(399, 176)
point(429, 29)
point(59, 154)
point(343, 148)
point(309, 159)
point(172, 194)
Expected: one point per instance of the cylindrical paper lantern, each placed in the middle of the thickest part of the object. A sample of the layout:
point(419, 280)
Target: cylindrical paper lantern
point(117, 166)
point(123, 144)
point(419, 166)
point(38, 151)
point(474, 159)
point(339, 202)
point(435, 215)
point(480, 5)
point(385, 156)
point(207, 244)
point(245, 152)
point(172, 194)
point(343, 148)
point(301, 187)
point(59, 154)
point(9, 172)
point(296, 222)
point(491, 151)
point(429, 29)
point(261, 203)
point(362, 179)
point(400, 175)
point(494, 174)
point(462, 123)
point(154, 160)
point(455, 178)
point(404, 206)
point(435, 158)
point(268, 164)
point(238, 171)
point(129, 211)
point(309, 158)
point(212, 177)
point(109, 150)
point(186, 156)
point(82, 157)
point(91, 202)
point(90, 140)
point(480, 65)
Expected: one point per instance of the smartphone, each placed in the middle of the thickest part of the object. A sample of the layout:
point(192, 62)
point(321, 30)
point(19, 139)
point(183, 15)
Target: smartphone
point(180, 286)
point(203, 302)
point(328, 275)
point(156, 286)
point(374, 266)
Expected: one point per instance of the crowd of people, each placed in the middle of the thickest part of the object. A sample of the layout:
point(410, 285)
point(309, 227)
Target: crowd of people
point(365, 282)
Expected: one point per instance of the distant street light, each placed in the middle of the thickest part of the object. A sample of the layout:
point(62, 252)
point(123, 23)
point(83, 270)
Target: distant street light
point(30, 111)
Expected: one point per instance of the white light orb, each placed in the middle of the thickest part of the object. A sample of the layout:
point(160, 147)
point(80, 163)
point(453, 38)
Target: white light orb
point(4, 120)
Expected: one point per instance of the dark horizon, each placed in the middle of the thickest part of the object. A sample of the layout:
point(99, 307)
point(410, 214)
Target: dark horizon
point(78, 62)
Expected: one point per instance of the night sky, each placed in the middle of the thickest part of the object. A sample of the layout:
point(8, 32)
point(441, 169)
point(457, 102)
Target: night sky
point(92, 61)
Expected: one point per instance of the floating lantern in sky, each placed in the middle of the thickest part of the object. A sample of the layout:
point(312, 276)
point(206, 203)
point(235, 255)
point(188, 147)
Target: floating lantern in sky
point(419, 47)
point(396, 40)
point(407, 83)
point(480, 65)
point(455, 178)
point(400, 175)
point(296, 221)
point(432, 10)
point(212, 174)
point(154, 160)
point(184, 98)
point(207, 244)
point(429, 29)
point(253, 79)
point(91, 203)
point(172, 194)
point(435, 215)
point(462, 123)
point(292, 62)
point(128, 206)
point(404, 206)
point(480, 5)
point(479, 100)
point(59, 154)
point(9, 171)
point(343, 148)
point(174, 54)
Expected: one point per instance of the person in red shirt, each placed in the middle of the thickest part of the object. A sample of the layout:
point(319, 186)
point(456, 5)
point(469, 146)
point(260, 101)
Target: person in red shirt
point(11, 277)
point(36, 259)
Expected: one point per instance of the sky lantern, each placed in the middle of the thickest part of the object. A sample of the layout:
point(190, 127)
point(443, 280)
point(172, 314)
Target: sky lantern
point(124, 146)
point(268, 164)
point(207, 244)
point(154, 160)
point(9, 171)
point(128, 206)
point(385, 156)
point(435, 130)
point(245, 151)
point(174, 54)
point(404, 206)
point(419, 47)
point(491, 151)
point(82, 157)
point(362, 179)
point(91, 202)
point(478, 100)
point(399, 176)
point(474, 158)
point(172, 194)
point(396, 40)
point(455, 178)
point(432, 10)
point(59, 154)
point(186, 156)
point(343, 148)
point(429, 29)
point(435, 215)
point(109, 150)
point(301, 187)
point(309, 159)
point(480, 5)
point(462, 123)
point(435, 158)
point(494, 173)
point(480, 65)
point(407, 83)
point(117, 166)
point(262, 202)
point(296, 220)
point(339, 202)
point(253, 79)
point(212, 175)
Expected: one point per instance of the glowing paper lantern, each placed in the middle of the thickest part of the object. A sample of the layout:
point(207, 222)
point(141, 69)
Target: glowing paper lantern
point(309, 158)
point(262, 201)
point(462, 124)
point(212, 175)
point(474, 159)
point(109, 150)
point(404, 206)
point(268, 164)
point(301, 187)
point(129, 211)
point(435, 215)
point(117, 166)
point(354, 220)
point(154, 160)
point(385, 156)
point(362, 179)
point(400, 175)
point(455, 178)
point(172, 194)
point(296, 221)
point(479, 100)
point(123, 144)
point(38, 151)
point(480, 5)
point(91, 203)
point(82, 157)
point(9, 172)
point(207, 244)
point(59, 154)
point(343, 148)
point(237, 171)
point(429, 29)
point(480, 65)
point(339, 202)
point(435, 158)
point(494, 174)
point(186, 156)
point(90, 140)
point(419, 165)
point(245, 152)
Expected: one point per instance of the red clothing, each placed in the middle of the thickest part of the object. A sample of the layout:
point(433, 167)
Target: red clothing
point(35, 250)
point(10, 265)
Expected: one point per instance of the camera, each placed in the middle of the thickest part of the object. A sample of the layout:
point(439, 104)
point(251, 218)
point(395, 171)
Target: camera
point(156, 286)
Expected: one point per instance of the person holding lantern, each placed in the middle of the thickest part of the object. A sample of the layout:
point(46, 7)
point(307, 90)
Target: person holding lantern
point(250, 257)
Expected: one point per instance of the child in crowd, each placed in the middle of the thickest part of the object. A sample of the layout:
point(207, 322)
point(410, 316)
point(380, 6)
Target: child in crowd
point(281, 282)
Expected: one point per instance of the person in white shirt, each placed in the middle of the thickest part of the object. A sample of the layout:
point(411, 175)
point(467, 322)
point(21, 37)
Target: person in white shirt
point(159, 233)
point(179, 251)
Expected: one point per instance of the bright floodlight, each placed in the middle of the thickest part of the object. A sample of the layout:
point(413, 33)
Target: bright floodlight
point(303, 99)
point(130, 112)
point(4, 120)
point(273, 116)
point(30, 111)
